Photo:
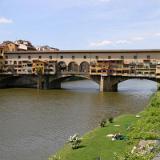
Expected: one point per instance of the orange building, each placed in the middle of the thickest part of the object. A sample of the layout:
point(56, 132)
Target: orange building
point(38, 67)
point(1, 49)
point(9, 46)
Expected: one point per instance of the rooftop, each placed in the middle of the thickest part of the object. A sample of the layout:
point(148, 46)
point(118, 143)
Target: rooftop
point(87, 51)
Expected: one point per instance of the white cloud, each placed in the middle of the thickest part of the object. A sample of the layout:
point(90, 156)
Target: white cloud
point(157, 34)
point(118, 42)
point(122, 42)
point(104, 0)
point(100, 43)
point(4, 20)
point(137, 38)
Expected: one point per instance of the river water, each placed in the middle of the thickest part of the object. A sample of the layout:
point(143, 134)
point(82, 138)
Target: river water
point(34, 124)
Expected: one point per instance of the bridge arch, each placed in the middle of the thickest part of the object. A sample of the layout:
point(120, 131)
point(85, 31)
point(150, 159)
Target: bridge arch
point(137, 84)
point(73, 67)
point(62, 66)
point(114, 82)
point(121, 80)
point(84, 67)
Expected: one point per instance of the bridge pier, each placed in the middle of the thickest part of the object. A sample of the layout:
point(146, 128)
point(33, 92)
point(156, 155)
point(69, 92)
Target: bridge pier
point(48, 82)
point(55, 85)
point(108, 84)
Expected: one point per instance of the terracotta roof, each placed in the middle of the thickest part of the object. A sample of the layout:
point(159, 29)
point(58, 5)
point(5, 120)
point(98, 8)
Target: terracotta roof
point(2, 46)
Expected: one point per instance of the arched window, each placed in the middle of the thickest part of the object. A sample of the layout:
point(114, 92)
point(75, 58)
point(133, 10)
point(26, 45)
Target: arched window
point(62, 66)
point(84, 67)
point(73, 67)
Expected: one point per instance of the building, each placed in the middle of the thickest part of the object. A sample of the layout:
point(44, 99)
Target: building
point(46, 48)
point(50, 67)
point(1, 49)
point(9, 46)
point(43, 67)
point(23, 67)
point(24, 45)
point(108, 62)
point(1, 63)
point(1, 58)
point(158, 70)
point(38, 67)
point(108, 66)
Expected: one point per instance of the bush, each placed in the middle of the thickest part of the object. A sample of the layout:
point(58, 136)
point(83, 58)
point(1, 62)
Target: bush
point(75, 141)
point(110, 119)
point(103, 123)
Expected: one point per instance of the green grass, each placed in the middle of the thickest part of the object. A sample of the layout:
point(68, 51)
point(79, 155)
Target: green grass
point(95, 143)
point(148, 127)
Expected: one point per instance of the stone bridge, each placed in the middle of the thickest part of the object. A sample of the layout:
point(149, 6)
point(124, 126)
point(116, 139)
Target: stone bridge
point(107, 68)
point(106, 83)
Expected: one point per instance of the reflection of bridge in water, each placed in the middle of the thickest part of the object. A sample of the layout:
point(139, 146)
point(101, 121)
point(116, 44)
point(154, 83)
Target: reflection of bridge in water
point(107, 68)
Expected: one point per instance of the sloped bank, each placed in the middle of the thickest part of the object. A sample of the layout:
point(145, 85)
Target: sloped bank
point(137, 130)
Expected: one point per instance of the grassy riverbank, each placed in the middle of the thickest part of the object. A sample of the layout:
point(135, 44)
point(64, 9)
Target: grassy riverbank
point(96, 143)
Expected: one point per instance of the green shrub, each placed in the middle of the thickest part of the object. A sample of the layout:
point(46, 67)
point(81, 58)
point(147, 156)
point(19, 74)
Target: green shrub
point(110, 119)
point(75, 141)
point(103, 123)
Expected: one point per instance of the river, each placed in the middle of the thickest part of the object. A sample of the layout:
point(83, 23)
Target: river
point(36, 123)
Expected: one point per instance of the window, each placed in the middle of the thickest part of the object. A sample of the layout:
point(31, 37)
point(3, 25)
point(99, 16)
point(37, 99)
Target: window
point(6, 57)
point(148, 57)
point(73, 57)
point(50, 57)
point(122, 57)
point(6, 62)
point(61, 57)
point(109, 57)
point(84, 57)
point(135, 57)
point(19, 57)
point(40, 57)
point(15, 62)
point(29, 57)
point(97, 57)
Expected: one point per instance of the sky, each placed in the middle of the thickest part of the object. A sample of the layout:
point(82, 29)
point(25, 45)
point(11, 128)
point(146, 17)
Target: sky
point(82, 24)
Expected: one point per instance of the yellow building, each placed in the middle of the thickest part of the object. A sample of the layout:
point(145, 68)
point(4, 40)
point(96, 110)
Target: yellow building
point(38, 67)
point(9, 46)
point(1, 49)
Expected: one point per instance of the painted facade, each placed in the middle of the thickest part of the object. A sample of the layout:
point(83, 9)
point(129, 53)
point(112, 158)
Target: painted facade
point(122, 62)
